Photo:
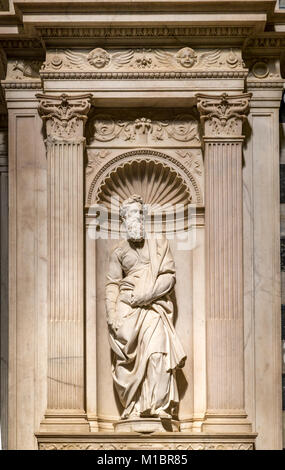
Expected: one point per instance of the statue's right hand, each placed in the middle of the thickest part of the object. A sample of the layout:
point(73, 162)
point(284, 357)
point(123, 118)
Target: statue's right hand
point(114, 323)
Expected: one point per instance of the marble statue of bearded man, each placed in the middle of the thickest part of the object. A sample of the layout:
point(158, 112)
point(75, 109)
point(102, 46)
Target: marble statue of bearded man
point(146, 349)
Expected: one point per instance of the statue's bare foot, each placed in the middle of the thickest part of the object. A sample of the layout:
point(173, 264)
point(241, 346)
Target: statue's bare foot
point(159, 413)
point(163, 415)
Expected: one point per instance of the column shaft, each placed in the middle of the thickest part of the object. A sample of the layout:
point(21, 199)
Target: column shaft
point(66, 299)
point(224, 275)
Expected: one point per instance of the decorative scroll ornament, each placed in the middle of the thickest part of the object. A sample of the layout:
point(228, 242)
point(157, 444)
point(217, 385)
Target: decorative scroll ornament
point(144, 130)
point(142, 59)
point(64, 115)
point(223, 115)
point(95, 157)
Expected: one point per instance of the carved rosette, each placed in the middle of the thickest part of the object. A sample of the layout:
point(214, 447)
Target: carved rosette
point(223, 116)
point(65, 116)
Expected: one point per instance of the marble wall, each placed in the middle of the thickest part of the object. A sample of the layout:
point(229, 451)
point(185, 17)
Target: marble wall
point(102, 111)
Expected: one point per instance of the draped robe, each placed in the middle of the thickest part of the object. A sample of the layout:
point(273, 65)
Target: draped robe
point(143, 330)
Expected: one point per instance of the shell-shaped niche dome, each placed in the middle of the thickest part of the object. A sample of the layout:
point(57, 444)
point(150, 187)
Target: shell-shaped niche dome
point(158, 185)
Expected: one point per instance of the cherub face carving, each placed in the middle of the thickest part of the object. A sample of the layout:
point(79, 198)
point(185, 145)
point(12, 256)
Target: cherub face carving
point(186, 57)
point(98, 58)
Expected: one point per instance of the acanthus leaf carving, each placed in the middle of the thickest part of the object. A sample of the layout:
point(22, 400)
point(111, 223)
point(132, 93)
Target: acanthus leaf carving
point(223, 115)
point(64, 115)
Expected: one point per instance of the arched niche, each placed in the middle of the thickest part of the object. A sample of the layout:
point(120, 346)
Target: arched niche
point(161, 180)
point(149, 172)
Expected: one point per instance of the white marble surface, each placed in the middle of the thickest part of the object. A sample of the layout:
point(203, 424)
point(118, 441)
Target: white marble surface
point(28, 220)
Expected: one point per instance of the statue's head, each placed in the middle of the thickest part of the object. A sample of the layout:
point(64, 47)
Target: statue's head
point(132, 216)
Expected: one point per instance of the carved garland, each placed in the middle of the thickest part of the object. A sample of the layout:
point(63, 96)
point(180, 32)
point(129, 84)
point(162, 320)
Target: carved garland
point(138, 155)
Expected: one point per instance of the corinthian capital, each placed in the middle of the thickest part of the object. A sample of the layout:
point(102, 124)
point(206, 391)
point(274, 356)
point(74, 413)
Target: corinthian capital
point(223, 115)
point(64, 115)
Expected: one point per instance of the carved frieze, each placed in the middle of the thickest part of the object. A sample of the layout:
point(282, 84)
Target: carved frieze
point(147, 445)
point(107, 63)
point(64, 115)
point(127, 128)
point(222, 116)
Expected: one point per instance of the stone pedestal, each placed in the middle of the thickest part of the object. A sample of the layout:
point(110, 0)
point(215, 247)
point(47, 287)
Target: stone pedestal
point(146, 425)
point(156, 441)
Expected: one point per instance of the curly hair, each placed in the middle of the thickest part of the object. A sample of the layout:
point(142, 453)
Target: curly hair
point(125, 204)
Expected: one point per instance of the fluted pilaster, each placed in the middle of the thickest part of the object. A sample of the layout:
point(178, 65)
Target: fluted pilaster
point(65, 117)
point(4, 316)
point(222, 119)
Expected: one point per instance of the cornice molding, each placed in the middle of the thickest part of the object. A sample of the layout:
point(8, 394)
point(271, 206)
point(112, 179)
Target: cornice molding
point(61, 21)
point(143, 31)
point(21, 43)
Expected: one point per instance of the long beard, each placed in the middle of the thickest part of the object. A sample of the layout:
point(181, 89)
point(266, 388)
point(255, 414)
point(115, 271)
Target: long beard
point(135, 230)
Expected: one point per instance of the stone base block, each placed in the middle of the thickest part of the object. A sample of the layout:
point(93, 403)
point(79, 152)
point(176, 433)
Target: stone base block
point(146, 425)
point(154, 441)
point(65, 422)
